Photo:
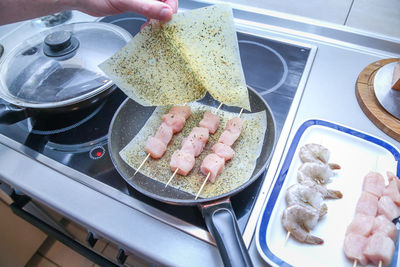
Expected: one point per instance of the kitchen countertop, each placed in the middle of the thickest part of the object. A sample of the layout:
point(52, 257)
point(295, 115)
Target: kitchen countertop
point(329, 94)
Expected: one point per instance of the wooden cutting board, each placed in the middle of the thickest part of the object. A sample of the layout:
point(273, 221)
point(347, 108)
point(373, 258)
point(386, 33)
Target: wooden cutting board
point(369, 103)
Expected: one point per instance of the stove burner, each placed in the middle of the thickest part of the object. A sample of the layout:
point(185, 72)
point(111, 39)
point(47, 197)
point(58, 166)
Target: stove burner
point(31, 126)
point(265, 69)
point(78, 131)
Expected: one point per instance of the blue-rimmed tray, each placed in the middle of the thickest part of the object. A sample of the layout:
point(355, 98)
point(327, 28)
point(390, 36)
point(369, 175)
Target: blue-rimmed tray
point(357, 153)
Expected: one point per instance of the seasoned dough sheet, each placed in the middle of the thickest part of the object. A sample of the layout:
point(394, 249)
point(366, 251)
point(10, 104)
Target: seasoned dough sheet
point(237, 171)
point(150, 70)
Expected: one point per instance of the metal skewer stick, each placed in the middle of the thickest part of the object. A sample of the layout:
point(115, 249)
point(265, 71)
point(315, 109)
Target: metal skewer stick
point(204, 183)
point(177, 169)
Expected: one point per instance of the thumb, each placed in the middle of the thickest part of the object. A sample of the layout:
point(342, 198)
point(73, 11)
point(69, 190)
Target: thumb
point(150, 9)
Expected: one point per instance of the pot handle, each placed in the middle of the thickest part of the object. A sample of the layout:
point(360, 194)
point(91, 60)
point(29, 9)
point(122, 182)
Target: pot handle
point(11, 114)
point(221, 222)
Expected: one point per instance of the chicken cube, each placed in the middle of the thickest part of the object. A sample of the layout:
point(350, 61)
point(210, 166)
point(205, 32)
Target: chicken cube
point(228, 137)
point(367, 204)
point(195, 141)
point(387, 207)
point(361, 225)
point(392, 191)
point(353, 247)
point(391, 176)
point(384, 226)
point(374, 183)
point(164, 133)
point(212, 164)
point(210, 121)
point(234, 125)
point(224, 151)
point(155, 147)
point(180, 110)
point(183, 161)
point(379, 248)
point(175, 121)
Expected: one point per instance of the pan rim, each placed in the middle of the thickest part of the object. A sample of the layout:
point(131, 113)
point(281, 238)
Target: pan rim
point(199, 201)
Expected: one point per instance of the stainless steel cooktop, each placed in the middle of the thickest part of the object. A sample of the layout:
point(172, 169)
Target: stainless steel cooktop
point(274, 68)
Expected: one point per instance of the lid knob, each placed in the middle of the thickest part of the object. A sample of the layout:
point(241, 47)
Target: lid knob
point(60, 43)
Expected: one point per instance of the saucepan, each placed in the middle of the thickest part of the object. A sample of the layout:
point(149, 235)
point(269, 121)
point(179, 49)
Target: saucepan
point(56, 71)
point(217, 211)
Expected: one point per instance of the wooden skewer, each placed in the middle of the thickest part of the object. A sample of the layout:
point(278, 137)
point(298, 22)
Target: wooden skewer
point(137, 170)
point(287, 237)
point(380, 264)
point(355, 263)
point(170, 179)
point(148, 155)
point(220, 105)
point(205, 181)
point(240, 113)
point(201, 188)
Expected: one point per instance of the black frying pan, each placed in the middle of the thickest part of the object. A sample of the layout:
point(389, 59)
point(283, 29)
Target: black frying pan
point(217, 211)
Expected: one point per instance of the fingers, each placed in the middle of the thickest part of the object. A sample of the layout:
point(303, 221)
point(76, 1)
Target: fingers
point(173, 4)
point(150, 9)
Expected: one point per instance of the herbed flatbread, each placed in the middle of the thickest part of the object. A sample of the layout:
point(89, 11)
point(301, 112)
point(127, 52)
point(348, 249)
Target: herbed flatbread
point(207, 39)
point(177, 62)
point(237, 171)
point(152, 71)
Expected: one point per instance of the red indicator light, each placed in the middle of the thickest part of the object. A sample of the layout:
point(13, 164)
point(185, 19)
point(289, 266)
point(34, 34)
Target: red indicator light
point(96, 152)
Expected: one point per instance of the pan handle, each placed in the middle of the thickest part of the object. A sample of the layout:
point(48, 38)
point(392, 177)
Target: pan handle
point(10, 114)
point(221, 222)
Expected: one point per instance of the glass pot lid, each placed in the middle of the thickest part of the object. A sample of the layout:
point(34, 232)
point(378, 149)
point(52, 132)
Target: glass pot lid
point(59, 67)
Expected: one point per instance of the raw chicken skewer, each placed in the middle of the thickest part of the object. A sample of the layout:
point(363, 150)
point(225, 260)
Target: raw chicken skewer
point(222, 151)
point(189, 150)
point(371, 235)
point(173, 122)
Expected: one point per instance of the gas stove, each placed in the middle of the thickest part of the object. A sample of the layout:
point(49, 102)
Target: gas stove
point(274, 68)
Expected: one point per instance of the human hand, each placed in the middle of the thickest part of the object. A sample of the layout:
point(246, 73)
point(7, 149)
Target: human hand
point(152, 9)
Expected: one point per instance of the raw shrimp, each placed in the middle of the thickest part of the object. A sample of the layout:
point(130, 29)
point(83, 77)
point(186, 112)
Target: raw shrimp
point(326, 193)
point(319, 172)
point(299, 220)
point(306, 196)
point(314, 153)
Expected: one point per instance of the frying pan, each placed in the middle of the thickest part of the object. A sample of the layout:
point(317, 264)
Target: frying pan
point(217, 211)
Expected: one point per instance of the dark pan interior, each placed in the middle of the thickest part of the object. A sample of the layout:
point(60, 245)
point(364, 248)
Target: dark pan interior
point(131, 117)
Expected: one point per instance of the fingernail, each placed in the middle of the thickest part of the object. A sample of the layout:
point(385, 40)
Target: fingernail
point(165, 13)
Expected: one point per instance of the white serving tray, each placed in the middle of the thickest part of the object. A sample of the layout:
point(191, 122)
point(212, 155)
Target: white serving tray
point(357, 153)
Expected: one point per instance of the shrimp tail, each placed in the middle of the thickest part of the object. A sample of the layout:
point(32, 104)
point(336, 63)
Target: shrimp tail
point(323, 210)
point(304, 237)
point(334, 166)
point(333, 194)
point(314, 240)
